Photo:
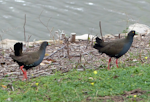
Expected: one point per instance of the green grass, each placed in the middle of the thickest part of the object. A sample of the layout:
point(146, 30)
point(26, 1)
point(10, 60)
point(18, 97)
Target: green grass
point(75, 86)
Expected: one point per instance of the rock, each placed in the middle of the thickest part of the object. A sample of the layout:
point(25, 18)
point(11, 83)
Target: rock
point(140, 28)
point(84, 37)
point(121, 35)
point(7, 43)
point(108, 36)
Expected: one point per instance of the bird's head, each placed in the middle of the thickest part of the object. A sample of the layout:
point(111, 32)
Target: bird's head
point(132, 33)
point(44, 45)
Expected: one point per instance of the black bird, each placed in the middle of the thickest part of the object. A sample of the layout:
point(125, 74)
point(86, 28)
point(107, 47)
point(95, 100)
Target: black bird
point(29, 59)
point(115, 48)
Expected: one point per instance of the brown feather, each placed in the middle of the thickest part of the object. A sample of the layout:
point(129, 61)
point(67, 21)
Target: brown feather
point(26, 58)
point(113, 47)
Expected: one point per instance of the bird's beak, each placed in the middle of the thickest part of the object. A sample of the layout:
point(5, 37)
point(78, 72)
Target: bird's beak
point(136, 33)
point(49, 44)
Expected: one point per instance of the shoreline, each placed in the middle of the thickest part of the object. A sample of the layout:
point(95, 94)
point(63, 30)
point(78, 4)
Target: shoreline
point(141, 29)
point(9, 43)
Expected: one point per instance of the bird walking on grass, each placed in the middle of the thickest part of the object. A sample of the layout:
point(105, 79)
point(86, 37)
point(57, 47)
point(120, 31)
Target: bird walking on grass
point(115, 48)
point(28, 60)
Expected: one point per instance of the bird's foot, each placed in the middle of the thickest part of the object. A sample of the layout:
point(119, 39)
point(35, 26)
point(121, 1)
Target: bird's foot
point(117, 63)
point(109, 63)
point(24, 73)
point(21, 67)
point(24, 76)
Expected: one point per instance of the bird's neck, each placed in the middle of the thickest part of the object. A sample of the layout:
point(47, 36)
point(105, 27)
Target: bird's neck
point(130, 38)
point(42, 51)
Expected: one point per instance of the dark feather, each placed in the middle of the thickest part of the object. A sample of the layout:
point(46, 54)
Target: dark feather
point(18, 49)
point(29, 59)
point(115, 48)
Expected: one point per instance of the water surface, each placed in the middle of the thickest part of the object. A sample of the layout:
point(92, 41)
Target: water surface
point(79, 16)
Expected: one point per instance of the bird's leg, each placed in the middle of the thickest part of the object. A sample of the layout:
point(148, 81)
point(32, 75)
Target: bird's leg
point(21, 67)
point(109, 64)
point(117, 63)
point(24, 72)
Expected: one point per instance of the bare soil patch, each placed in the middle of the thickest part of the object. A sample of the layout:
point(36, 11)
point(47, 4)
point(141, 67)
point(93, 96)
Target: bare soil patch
point(127, 96)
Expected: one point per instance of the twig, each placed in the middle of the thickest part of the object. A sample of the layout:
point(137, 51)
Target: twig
point(1, 37)
point(29, 36)
point(80, 58)
point(24, 29)
point(87, 42)
point(140, 58)
point(119, 36)
point(101, 30)
point(50, 31)
point(40, 19)
point(78, 55)
point(55, 52)
point(11, 49)
point(68, 48)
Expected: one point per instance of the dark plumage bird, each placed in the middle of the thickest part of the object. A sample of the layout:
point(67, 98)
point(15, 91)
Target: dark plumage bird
point(29, 59)
point(115, 48)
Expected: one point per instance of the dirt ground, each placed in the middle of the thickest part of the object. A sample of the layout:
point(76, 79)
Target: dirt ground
point(81, 55)
point(121, 98)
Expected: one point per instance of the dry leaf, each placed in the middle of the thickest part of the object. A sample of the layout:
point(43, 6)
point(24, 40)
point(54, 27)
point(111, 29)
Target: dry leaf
point(91, 78)
point(2, 63)
point(46, 62)
point(46, 54)
point(52, 60)
point(4, 86)
point(115, 76)
point(42, 64)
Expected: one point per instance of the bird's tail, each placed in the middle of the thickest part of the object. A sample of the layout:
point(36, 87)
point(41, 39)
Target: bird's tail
point(18, 49)
point(98, 44)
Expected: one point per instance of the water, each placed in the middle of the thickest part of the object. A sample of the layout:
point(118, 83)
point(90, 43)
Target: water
point(79, 16)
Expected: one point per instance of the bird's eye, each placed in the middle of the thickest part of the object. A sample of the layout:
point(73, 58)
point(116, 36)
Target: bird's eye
point(133, 32)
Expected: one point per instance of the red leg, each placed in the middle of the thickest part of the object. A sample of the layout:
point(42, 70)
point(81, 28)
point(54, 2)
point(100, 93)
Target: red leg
point(117, 63)
point(109, 64)
point(25, 75)
point(21, 67)
point(24, 72)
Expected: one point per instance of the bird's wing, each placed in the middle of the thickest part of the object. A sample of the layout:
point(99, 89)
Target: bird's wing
point(113, 48)
point(26, 58)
